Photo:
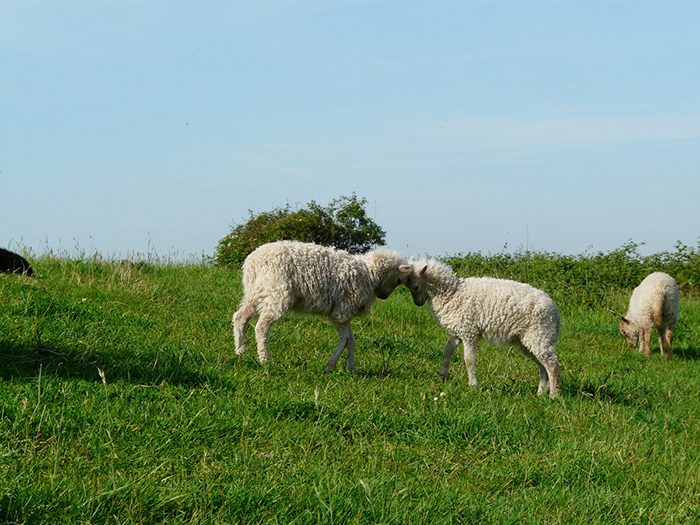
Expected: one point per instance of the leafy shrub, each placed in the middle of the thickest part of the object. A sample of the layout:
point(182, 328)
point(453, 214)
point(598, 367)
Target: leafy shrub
point(589, 277)
point(343, 224)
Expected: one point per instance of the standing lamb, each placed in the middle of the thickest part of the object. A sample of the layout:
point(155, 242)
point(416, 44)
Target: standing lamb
point(655, 303)
point(502, 312)
point(312, 279)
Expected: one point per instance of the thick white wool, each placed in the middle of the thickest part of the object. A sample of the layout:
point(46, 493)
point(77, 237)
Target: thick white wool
point(503, 312)
point(655, 304)
point(312, 279)
point(500, 311)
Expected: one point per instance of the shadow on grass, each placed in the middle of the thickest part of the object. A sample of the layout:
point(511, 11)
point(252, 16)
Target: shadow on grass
point(25, 363)
point(611, 390)
point(687, 353)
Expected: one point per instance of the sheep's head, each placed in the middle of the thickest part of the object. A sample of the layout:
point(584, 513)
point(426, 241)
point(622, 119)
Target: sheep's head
point(630, 330)
point(417, 283)
point(388, 268)
point(395, 277)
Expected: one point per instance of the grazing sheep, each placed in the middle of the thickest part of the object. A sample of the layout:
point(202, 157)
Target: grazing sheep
point(10, 262)
point(504, 313)
point(312, 279)
point(655, 303)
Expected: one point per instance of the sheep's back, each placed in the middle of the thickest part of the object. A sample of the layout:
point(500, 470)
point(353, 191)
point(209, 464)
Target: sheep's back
point(656, 298)
point(498, 310)
point(310, 278)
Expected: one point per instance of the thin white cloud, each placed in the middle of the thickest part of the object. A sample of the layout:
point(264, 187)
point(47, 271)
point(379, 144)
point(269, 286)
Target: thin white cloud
point(564, 133)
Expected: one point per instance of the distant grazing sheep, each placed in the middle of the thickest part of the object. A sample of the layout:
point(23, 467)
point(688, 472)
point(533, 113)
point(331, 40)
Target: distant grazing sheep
point(655, 303)
point(10, 262)
point(312, 279)
point(504, 313)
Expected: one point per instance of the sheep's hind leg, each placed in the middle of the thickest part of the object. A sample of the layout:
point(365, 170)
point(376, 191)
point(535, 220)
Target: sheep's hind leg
point(240, 321)
point(554, 372)
point(544, 385)
point(666, 342)
point(345, 340)
point(660, 335)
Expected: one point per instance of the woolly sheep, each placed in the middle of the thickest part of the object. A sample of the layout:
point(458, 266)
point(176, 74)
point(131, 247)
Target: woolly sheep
point(311, 279)
point(502, 312)
point(655, 303)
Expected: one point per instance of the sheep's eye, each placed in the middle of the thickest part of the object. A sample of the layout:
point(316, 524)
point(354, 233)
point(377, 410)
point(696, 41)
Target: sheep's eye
point(415, 288)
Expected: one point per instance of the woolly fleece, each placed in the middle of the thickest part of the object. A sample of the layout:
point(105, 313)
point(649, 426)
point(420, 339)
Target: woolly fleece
point(655, 304)
point(502, 312)
point(312, 279)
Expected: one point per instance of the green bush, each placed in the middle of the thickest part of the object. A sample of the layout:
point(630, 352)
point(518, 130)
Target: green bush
point(343, 224)
point(592, 276)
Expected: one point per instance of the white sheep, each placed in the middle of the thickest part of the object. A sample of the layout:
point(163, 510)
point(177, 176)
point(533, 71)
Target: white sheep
point(655, 303)
point(311, 279)
point(502, 312)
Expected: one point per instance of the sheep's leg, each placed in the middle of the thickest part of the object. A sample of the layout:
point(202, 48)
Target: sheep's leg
point(660, 337)
point(449, 350)
point(345, 340)
point(240, 321)
point(470, 361)
point(262, 333)
point(551, 363)
point(668, 337)
point(645, 337)
point(544, 375)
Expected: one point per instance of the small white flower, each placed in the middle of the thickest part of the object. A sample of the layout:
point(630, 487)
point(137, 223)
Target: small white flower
point(443, 394)
point(435, 399)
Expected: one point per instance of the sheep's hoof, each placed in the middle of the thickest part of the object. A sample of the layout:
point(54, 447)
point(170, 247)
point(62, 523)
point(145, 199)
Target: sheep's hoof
point(241, 350)
point(444, 376)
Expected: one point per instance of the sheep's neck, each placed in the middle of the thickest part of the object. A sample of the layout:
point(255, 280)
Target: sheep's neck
point(442, 288)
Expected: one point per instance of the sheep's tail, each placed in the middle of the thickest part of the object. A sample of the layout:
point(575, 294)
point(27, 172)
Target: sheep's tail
point(657, 308)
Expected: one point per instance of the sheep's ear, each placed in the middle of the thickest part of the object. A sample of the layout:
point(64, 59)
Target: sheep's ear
point(422, 272)
point(624, 320)
point(405, 268)
point(411, 259)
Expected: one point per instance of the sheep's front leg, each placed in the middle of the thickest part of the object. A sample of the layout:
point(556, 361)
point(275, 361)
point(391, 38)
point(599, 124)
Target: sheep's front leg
point(449, 350)
point(345, 340)
point(262, 334)
point(470, 360)
point(642, 338)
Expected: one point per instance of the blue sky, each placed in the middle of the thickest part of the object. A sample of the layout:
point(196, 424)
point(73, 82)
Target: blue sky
point(136, 126)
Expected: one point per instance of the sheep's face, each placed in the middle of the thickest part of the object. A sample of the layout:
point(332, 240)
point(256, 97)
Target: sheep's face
point(394, 279)
point(631, 332)
point(416, 283)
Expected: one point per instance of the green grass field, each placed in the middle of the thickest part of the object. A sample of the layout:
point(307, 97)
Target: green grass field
point(123, 402)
